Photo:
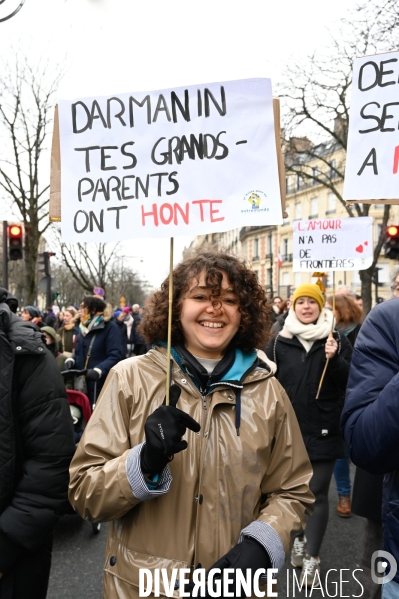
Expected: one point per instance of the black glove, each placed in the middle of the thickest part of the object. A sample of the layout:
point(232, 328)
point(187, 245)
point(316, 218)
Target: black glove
point(69, 363)
point(92, 375)
point(164, 429)
point(247, 554)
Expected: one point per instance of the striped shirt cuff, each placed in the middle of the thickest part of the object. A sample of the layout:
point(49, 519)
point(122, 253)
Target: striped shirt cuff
point(266, 536)
point(136, 477)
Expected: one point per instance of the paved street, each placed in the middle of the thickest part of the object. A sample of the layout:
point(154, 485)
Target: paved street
point(78, 557)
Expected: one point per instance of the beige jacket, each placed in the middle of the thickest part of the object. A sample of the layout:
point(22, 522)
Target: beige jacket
point(221, 483)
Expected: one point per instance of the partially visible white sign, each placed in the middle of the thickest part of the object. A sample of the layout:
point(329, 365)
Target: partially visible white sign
point(182, 161)
point(372, 159)
point(333, 244)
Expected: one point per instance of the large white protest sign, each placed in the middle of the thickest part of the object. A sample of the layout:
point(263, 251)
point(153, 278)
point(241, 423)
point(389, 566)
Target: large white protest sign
point(333, 244)
point(373, 144)
point(181, 161)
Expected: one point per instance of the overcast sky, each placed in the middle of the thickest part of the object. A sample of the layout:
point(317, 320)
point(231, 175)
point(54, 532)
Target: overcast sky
point(112, 46)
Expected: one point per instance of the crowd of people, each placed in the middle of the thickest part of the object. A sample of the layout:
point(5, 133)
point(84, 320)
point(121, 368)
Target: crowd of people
point(229, 467)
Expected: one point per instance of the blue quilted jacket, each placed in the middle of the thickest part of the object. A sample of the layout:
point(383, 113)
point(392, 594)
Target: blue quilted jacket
point(370, 418)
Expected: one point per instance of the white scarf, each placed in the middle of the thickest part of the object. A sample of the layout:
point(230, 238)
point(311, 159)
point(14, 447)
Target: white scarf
point(307, 334)
point(129, 323)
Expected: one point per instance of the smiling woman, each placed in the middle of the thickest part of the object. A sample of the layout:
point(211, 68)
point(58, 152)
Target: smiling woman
point(233, 447)
point(216, 284)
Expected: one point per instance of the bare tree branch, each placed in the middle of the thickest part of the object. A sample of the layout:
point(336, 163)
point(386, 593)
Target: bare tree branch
point(28, 95)
point(317, 96)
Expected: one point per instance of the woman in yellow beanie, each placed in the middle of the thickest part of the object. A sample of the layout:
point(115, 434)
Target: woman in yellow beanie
point(300, 351)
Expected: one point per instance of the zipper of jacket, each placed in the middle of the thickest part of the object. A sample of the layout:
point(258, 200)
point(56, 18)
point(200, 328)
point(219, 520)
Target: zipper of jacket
point(204, 403)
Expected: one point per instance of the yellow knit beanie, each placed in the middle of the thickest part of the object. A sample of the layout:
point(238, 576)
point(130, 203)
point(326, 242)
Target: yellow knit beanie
point(309, 290)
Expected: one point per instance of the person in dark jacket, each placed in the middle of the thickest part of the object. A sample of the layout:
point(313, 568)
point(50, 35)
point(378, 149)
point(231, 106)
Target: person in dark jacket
point(370, 418)
point(140, 346)
point(280, 319)
point(11, 302)
point(53, 345)
point(125, 322)
point(99, 344)
point(37, 445)
point(300, 351)
point(348, 316)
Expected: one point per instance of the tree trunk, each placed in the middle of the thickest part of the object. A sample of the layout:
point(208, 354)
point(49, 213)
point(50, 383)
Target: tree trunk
point(365, 277)
point(32, 237)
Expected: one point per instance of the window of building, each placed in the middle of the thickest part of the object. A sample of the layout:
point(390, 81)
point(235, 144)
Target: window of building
point(315, 173)
point(269, 245)
point(297, 279)
point(256, 249)
point(383, 274)
point(331, 203)
point(333, 166)
point(299, 182)
point(285, 249)
point(286, 278)
point(314, 207)
point(298, 211)
point(269, 278)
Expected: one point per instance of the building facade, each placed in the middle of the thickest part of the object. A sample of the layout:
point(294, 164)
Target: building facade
point(268, 250)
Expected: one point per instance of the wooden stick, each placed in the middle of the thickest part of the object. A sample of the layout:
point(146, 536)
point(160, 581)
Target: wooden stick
point(330, 335)
point(169, 322)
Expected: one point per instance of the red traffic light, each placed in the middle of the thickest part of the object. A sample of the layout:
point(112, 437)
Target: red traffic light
point(15, 230)
point(392, 231)
point(15, 234)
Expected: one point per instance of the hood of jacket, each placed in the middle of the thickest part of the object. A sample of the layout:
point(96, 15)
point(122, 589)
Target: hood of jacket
point(50, 331)
point(24, 337)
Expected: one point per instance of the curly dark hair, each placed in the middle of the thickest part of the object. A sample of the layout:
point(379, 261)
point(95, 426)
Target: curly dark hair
point(94, 304)
point(254, 329)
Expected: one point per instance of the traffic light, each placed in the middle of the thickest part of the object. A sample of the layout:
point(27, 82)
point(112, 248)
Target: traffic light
point(44, 259)
point(391, 244)
point(15, 242)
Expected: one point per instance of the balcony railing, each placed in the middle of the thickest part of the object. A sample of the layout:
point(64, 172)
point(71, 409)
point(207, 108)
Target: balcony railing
point(286, 257)
point(245, 230)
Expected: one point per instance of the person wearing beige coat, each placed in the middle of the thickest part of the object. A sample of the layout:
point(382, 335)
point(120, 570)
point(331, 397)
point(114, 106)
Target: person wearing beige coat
point(245, 474)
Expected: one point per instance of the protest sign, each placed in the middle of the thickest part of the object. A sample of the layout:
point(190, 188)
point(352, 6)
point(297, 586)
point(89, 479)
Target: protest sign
point(332, 244)
point(372, 161)
point(182, 161)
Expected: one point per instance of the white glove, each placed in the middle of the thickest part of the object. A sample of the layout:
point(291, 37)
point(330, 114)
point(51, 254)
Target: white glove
point(69, 363)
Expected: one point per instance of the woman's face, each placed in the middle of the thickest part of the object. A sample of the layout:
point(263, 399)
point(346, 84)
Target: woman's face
point(49, 339)
point(26, 316)
point(306, 309)
point(67, 317)
point(209, 324)
point(83, 311)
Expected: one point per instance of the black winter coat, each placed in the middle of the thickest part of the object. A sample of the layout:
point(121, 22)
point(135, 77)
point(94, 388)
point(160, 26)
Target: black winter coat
point(299, 373)
point(370, 418)
point(106, 351)
point(36, 441)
